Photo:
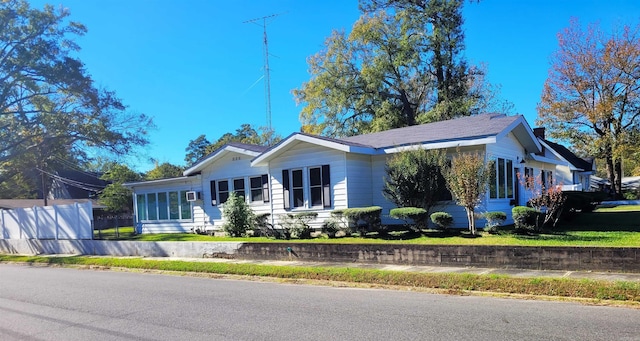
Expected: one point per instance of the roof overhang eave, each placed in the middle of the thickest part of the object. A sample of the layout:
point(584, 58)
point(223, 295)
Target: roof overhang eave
point(441, 145)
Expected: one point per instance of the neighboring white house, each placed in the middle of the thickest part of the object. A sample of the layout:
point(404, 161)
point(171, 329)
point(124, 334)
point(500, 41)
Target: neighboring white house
point(572, 172)
point(314, 173)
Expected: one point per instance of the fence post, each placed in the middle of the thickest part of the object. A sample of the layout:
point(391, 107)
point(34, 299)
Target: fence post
point(57, 225)
point(36, 222)
point(77, 224)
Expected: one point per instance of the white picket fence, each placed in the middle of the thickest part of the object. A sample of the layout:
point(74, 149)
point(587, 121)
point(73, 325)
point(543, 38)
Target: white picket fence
point(48, 222)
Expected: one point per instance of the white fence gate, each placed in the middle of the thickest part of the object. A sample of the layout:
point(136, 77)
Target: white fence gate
point(48, 222)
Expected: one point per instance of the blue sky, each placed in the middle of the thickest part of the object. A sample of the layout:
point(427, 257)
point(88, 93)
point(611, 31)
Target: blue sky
point(194, 66)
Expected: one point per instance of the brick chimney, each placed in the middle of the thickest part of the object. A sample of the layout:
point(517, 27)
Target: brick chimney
point(539, 132)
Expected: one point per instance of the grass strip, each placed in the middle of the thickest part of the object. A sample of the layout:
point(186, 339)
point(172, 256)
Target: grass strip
point(453, 282)
point(558, 238)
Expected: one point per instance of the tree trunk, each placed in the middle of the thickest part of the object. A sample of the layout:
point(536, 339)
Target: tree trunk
point(472, 221)
point(611, 174)
point(618, 178)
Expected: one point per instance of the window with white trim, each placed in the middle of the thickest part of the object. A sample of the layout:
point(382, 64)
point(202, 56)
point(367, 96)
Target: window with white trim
point(258, 189)
point(223, 191)
point(316, 192)
point(157, 206)
point(297, 188)
point(238, 187)
point(501, 181)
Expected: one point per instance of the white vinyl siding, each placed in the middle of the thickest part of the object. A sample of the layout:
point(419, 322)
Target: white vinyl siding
point(304, 156)
point(359, 180)
point(234, 169)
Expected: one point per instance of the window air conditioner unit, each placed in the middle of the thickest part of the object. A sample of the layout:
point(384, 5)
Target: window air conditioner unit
point(193, 196)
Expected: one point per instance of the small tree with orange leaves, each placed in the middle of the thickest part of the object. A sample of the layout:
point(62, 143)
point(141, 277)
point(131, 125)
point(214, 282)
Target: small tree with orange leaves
point(545, 196)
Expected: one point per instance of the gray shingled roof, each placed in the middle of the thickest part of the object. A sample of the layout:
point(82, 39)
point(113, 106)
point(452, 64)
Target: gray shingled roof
point(464, 128)
point(252, 147)
point(568, 155)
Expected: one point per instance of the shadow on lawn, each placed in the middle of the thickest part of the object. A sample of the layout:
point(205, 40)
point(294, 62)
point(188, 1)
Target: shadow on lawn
point(603, 221)
point(562, 236)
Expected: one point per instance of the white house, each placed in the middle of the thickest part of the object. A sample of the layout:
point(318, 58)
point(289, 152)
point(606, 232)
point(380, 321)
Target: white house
point(314, 173)
point(572, 172)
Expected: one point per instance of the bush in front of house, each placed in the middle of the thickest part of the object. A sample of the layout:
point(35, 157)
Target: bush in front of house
point(238, 216)
point(365, 219)
point(417, 215)
point(296, 225)
point(524, 218)
point(442, 220)
point(494, 220)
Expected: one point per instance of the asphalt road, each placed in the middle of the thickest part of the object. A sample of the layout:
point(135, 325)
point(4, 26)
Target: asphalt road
point(40, 303)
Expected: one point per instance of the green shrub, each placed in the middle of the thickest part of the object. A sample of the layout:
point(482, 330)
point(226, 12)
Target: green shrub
point(365, 219)
point(296, 225)
point(631, 195)
point(262, 226)
point(524, 217)
point(238, 216)
point(416, 214)
point(442, 220)
point(494, 220)
point(330, 227)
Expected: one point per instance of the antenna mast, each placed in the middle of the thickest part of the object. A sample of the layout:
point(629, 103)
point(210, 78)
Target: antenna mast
point(267, 77)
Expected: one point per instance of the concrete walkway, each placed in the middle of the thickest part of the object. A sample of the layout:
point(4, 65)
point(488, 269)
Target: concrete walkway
point(607, 276)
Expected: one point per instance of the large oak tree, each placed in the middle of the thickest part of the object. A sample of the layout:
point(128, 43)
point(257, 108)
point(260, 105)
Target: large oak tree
point(50, 106)
point(592, 95)
point(402, 64)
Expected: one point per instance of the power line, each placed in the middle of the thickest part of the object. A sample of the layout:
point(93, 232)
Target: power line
point(74, 183)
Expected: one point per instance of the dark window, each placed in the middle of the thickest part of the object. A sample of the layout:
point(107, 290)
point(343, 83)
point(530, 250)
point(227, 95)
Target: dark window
point(223, 191)
point(256, 189)
point(238, 187)
point(315, 186)
point(297, 188)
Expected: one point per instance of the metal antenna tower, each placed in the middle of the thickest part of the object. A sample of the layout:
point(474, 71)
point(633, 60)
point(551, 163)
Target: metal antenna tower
point(267, 77)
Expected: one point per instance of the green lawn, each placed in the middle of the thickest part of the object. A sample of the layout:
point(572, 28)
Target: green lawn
point(613, 226)
point(451, 283)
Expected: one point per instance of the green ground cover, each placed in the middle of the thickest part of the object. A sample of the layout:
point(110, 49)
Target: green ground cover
point(445, 282)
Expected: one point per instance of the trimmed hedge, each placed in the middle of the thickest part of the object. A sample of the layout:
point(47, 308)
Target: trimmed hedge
point(524, 217)
point(364, 218)
point(416, 214)
point(296, 225)
point(443, 220)
point(494, 220)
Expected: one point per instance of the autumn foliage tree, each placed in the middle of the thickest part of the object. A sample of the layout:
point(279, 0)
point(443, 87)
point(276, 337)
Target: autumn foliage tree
point(592, 95)
point(467, 178)
point(544, 196)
